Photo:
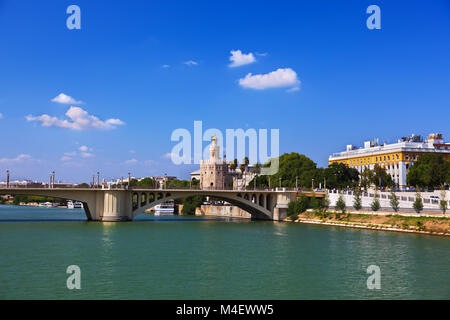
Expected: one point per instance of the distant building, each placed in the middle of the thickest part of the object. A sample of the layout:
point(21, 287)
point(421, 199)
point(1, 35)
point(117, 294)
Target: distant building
point(396, 158)
point(214, 171)
point(23, 184)
point(195, 175)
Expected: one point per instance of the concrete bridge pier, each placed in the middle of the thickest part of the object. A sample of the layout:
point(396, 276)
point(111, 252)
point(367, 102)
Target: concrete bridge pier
point(115, 206)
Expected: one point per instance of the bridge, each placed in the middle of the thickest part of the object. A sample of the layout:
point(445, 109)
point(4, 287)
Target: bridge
point(126, 204)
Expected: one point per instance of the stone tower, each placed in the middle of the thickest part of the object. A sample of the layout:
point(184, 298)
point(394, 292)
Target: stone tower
point(214, 171)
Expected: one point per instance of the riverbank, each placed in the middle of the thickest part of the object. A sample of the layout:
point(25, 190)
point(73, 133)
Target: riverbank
point(385, 222)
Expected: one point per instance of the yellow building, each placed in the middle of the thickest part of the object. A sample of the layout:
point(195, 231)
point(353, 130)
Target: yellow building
point(396, 158)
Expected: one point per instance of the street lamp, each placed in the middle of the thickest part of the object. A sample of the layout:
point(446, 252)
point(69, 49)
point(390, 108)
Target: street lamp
point(280, 182)
point(98, 178)
point(7, 178)
point(312, 185)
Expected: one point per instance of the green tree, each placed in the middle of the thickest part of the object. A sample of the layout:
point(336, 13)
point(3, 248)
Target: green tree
point(178, 184)
point(242, 167)
point(394, 201)
point(357, 199)
point(381, 178)
point(418, 203)
point(191, 203)
point(366, 178)
point(326, 201)
point(291, 165)
point(443, 202)
point(146, 182)
point(82, 185)
point(340, 203)
point(430, 171)
point(339, 176)
point(298, 206)
point(375, 205)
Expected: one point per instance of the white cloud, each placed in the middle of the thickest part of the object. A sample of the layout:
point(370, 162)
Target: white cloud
point(279, 78)
point(1, 115)
point(131, 161)
point(79, 119)
point(190, 63)
point(165, 66)
point(86, 154)
point(263, 54)
point(65, 99)
point(293, 89)
point(240, 59)
point(19, 158)
point(167, 155)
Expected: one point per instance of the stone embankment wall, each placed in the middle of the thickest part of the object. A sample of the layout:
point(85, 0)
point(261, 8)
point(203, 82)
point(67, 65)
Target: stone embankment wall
point(222, 211)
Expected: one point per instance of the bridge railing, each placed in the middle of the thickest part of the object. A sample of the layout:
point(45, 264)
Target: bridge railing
point(126, 187)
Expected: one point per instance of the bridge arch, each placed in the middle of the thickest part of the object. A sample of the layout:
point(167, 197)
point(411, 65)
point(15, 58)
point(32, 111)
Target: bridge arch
point(248, 203)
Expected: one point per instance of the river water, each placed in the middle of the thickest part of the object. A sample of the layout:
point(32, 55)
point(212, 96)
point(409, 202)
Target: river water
point(211, 258)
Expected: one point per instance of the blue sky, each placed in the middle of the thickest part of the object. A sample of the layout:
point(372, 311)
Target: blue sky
point(128, 62)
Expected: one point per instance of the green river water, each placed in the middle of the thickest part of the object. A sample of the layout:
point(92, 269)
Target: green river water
point(211, 258)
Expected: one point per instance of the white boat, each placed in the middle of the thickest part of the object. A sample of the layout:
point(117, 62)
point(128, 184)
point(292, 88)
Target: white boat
point(78, 205)
point(74, 205)
point(165, 209)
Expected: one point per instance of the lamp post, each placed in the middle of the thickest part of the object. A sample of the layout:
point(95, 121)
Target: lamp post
point(280, 182)
point(296, 183)
point(50, 181)
point(129, 179)
point(7, 178)
point(312, 185)
point(93, 181)
point(53, 179)
point(269, 182)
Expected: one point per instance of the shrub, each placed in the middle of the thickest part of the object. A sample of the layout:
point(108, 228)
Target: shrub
point(375, 205)
point(418, 204)
point(394, 201)
point(340, 204)
point(357, 199)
